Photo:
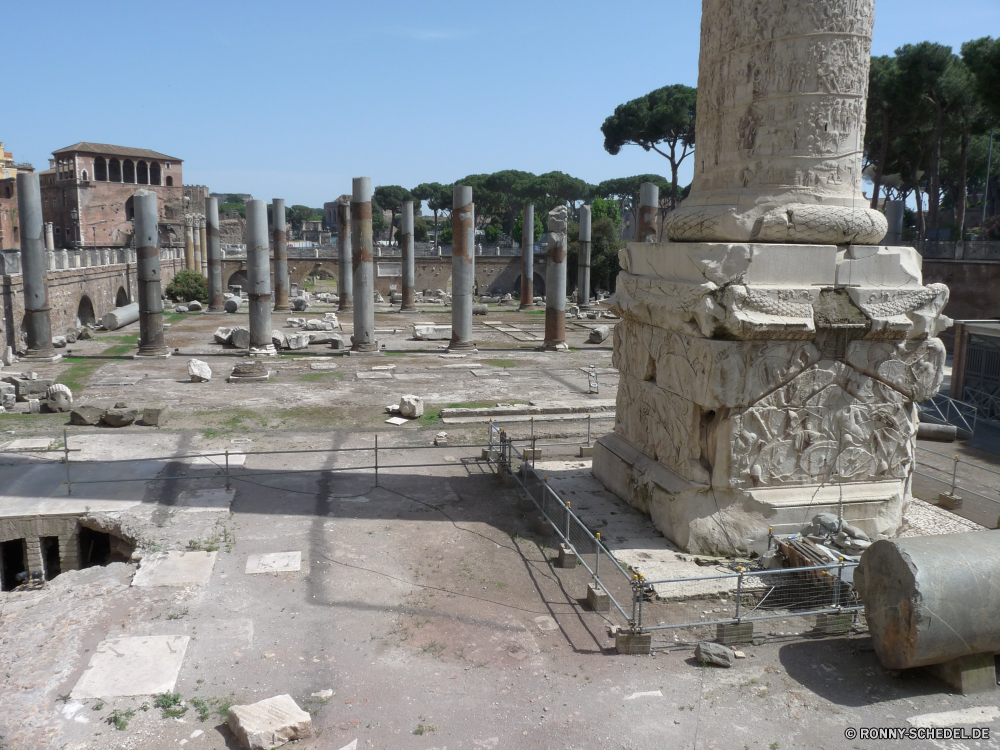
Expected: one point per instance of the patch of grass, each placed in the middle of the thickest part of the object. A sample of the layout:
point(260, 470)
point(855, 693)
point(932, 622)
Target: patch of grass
point(211, 433)
point(202, 708)
point(132, 338)
point(502, 362)
point(313, 377)
point(77, 374)
point(396, 354)
point(421, 728)
point(176, 615)
point(535, 312)
point(473, 405)
point(118, 350)
point(120, 719)
point(223, 709)
point(171, 704)
point(431, 415)
point(98, 706)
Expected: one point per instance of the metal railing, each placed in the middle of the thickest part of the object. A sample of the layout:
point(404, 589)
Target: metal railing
point(944, 410)
point(986, 404)
point(946, 472)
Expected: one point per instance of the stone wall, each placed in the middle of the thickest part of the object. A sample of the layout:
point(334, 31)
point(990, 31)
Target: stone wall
point(68, 289)
point(973, 287)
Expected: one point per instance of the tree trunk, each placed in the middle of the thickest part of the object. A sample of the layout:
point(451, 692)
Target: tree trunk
point(963, 177)
point(883, 151)
point(921, 228)
point(934, 193)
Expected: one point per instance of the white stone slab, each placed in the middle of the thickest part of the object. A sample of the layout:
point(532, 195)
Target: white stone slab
point(236, 458)
point(144, 665)
point(490, 373)
point(274, 562)
point(397, 420)
point(323, 365)
point(205, 500)
point(28, 444)
point(383, 367)
point(175, 569)
point(416, 376)
point(114, 383)
point(469, 366)
point(381, 375)
point(269, 723)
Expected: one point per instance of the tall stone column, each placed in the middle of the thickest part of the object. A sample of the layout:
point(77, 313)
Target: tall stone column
point(555, 281)
point(345, 273)
point(33, 263)
point(583, 260)
point(280, 255)
point(147, 241)
point(363, 341)
point(463, 267)
point(259, 273)
point(406, 245)
point(196, 236)
point(216, 303)
point(189, 242)
point(203, 237)
point(771, 355)
point(528, 258)
point(649, 211)
point(50, 239)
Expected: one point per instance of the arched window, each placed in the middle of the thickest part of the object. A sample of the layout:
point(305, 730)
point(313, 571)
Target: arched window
point(100, 169)
point(115, 170)
point(84, 176)
point(128, 171)
point(142, 173)
point(129, 208)
point(154, 173)
point(170, 181)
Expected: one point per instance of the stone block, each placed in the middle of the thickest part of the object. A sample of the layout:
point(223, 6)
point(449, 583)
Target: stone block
point(154, 416)
point(948, 501)
point(223, 335)
point(734, 632)
point(278, 339)
point(269, 723)
point(411, 407)
point(297, 340)
point(714, 653)
point(199, 371)
point(317, 325)
point(432, 332)
point(567, 557)
point(598, 599)
point(28, 388)
point(586, 451)
point(85, 414)
point(241, 337)
point(34, 406)
point(480, 309)
point(599, 334)
point(532, 453)
point(633, 644)
point(327, 337)
point(58, 398)
point(233, 304)
point(120, 416)
point(194, 306)
point(975, 673)
point(835, 623)
point(299, 304)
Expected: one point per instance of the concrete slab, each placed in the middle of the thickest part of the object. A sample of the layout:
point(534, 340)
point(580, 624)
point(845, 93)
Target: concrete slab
point(380, 375)
point(235, 459)
point(274, 562)
point(175, 569)
point(205, 500)
point(397, 421)
point(115, 382)
point(28, 444)
point(145, 665)
point(490, 373)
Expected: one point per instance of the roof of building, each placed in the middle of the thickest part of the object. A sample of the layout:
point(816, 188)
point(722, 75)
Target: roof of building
point(107, 148)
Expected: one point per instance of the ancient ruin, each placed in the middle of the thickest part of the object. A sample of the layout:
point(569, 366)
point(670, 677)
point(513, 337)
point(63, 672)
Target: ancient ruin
point(770, 352)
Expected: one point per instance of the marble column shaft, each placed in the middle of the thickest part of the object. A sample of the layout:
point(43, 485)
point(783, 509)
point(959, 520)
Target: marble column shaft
point(259, 273)
point(406, 245)
point(583, 260)
point(188, 243)
point(463, 267)
point(216, 303)
point(196, 235)
point(148, 277)
point(648, 213)
point(362, 262)
point(555, 280)
point(528, 257)
point(280, 255)
point(345, 273)
point(36, 303)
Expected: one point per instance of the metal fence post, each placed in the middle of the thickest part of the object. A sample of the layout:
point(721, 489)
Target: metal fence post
point(533, 451)
point(597, 558)
point(227, 470)
point(568, 514)
point(376, 459)
point(840, 578)
point(954, 477)
point(69, 481)
point(739, 591)
point(635, 601)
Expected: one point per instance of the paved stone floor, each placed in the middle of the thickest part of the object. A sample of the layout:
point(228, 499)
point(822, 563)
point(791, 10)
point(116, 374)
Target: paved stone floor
point(426, 602)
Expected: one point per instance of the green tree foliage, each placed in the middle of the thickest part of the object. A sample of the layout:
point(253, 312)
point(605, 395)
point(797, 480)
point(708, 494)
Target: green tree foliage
point(438, 199)
point(492, 233)
point(187, 286)
point(379, 224)
point(233, 206)
point(420, 230)
point(605, 208)
point(444, 236)
point(982, 56)
point(604, 246)
point(391, 197)
point(295, 215)
point(625, 191)
point(662, 121)
point(519, 227)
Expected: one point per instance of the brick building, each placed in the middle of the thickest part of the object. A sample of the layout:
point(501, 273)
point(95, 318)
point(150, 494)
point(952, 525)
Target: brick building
point(9, 236)
point(87, 194)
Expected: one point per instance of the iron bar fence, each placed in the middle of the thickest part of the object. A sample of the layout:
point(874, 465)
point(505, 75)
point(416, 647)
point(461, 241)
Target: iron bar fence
point(946, 471)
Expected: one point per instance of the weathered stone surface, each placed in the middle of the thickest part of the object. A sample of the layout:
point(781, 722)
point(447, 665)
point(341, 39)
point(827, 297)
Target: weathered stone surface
point(299, 304)
point(411, 407)
point(317, 325)
point(120, 416)
point(432, 333)
point(154, 416)
point(223, 335)
point(180, 308)
point(194, 306)
point(58, 398)
point(28, 388)
point(269, 723)
point(86, 414)
point(59, 342)
point(295, 322)
point(241, 337)
point(278, 339)
point(480, 309)
point(326, 337)
point(599, 334)
point(715, 653)
point(199, 371)
point(34, 406)
point(297, 340)
point(233, 304)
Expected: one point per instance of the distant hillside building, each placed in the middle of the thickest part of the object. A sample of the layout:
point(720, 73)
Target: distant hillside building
point(312, 231)
point(87, 194)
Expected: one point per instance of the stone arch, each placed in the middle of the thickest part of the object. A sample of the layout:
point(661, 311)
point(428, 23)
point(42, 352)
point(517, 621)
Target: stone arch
point(100, 169)
point(239, 279)
point(538, 286)
point(84, 176)
point(114, 170)
point(128, 171)
point(154, 173)
point(121, 299)
point(85, 312)
point(142, 173)
point(130, 208)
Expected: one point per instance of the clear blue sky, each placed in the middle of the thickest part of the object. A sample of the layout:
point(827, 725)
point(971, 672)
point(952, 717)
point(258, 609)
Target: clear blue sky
point(292, 99)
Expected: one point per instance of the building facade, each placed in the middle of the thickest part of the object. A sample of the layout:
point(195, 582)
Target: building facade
point(87, 194)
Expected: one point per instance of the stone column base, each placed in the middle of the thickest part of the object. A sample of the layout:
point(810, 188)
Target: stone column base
point(728, 521)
